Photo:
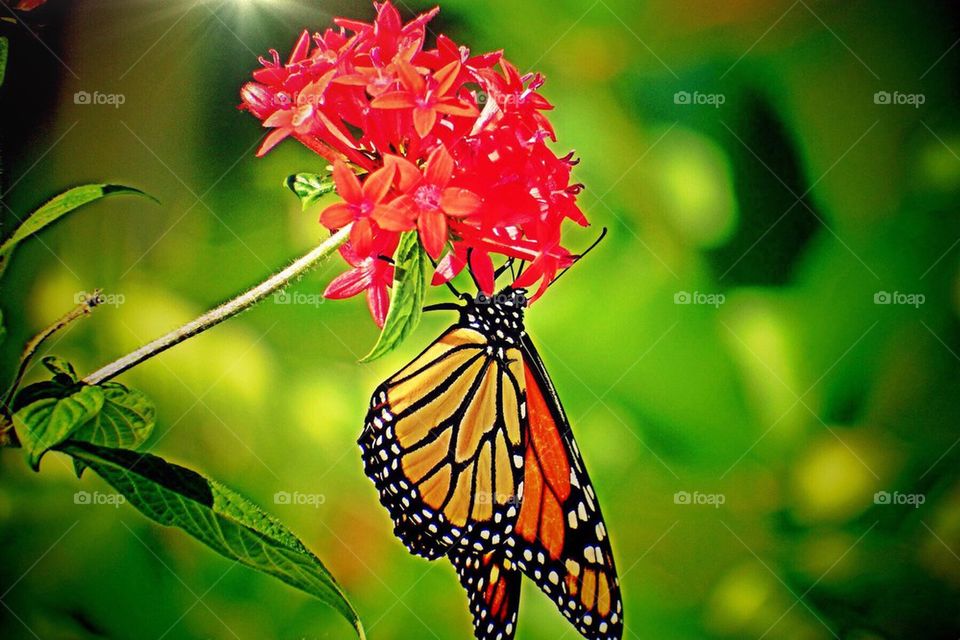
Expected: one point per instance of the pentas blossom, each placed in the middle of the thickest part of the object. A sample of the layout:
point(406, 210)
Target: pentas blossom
point(452, 144)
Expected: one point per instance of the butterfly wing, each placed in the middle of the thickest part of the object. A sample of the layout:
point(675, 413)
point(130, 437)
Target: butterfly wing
point(493, 590)
point(442, 442)
point(560, 540)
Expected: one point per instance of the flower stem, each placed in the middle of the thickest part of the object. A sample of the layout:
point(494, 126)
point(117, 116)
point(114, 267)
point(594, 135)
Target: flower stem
point(225, 311)
point(81, 310)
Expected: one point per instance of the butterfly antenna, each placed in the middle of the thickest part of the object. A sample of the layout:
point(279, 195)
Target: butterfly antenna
point(603, 234)
point(506, 265)
point(470, 269)
point(443, 306)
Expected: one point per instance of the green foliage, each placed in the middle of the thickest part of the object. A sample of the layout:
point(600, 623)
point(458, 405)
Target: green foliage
point(4, 51)
point(58, 207)
point(406, 298)
point(217, 516)
point(99, 425)
point(309, 187)
point(125, 420)
point(48, 422)
point(59, 367)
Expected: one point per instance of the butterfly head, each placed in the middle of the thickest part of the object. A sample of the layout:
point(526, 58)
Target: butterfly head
point(499, 317)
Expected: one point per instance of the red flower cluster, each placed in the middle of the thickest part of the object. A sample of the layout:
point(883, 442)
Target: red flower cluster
point(436, 140)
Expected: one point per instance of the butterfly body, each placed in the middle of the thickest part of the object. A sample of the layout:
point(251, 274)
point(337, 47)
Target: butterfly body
point(474, 459)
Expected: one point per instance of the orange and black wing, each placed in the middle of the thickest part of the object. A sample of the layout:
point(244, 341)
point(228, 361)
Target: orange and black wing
point(443, 443)
point(560, 539)
point(493, 590)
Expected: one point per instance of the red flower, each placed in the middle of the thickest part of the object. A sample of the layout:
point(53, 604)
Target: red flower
point(428, 198)
point(363, 206)
point(372, 273)
point(302, 116)
point(435, 140)
point(426, 97)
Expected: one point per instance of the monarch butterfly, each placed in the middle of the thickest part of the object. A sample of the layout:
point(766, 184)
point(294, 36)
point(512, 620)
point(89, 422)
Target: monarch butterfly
point(472, 455)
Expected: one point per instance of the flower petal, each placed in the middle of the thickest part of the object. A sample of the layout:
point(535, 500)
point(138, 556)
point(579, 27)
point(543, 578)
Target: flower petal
point(361, 237)
point(439, 167)
point(378, 184)
point(393, 218)
point(279, 118)
point(348, 186)
point(348, 284)
point(459, 203)
point(423, 120)
point(302, 118)
point(337, 215)
point(481, 265)
point(394, 100)
point(301, 49)
point(408, 174)
point(455, 107)
point(447, 76)
point(276, 136)
point(378, 301)
point(448, 268)
point(410, 77)
point(433, 232)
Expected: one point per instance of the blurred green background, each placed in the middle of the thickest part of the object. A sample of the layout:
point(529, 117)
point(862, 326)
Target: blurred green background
point(780, 193)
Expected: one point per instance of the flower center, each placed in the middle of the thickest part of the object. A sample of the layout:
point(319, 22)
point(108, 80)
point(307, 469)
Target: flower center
point(364, 209)
point(427, 197)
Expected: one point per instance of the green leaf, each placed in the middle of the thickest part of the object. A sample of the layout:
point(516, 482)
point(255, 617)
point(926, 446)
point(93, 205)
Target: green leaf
point(406, 297)
point(60, 367)
point(126, 419)
point(56, 388)
point(4, 53)
point(309, 187)
point(46, 423)
point(216, 516)
point(58, 207)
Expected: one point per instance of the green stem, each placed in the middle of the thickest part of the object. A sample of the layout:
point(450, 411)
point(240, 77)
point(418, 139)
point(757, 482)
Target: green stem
point(81, 310)
point(225, 311)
